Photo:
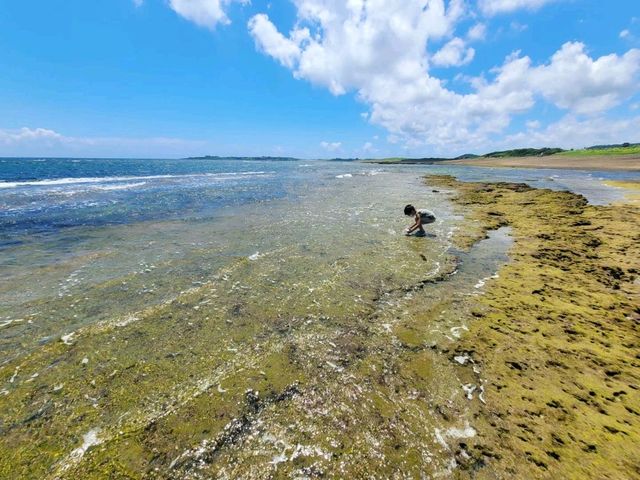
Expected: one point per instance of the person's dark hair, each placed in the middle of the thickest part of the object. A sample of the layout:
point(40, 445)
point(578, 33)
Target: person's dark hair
point(409, 210)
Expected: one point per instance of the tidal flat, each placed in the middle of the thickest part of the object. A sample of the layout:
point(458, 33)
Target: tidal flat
point(628, 162)
point(310, 344)
point(326, 344)
point(556, 337)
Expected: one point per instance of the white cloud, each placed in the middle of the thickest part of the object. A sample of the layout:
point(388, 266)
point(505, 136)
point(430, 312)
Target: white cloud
point(368, 148)
point(533, 124)
point(454, 53)
point(477, 32)
point(572, 132)
point(25, 134)
point(353, 42)
point(273, 43)
point(575, 81)
point(518, 27)
point(625, 34)
point(331, 146)
point(205, 13)
point(494, 7)
point(41, 141)
point(378, 49)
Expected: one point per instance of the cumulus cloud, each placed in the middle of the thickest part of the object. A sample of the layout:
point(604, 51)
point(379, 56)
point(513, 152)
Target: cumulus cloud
point(454, 53)
point(379, 49)
point(205, 13)
point(27, 134)
point(574, 81)
point(351, 42)
point(573, 132)
point(273, 43)
point(331, 146)
point(494, 7)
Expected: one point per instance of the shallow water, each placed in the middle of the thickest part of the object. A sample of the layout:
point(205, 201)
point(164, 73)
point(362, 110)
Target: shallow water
point(286, 328)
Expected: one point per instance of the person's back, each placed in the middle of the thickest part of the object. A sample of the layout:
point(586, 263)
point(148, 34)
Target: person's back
point(426, 216)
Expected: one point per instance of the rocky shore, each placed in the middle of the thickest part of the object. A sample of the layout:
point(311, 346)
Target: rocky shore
point(556, 337)
point(343, 357)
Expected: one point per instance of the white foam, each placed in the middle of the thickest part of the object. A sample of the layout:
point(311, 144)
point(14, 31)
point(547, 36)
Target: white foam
point(469, 388)
point(456, 331)
point(481, 395)
point(440, 438)
point(455, 433)
point(279, 459)
point(462, 359)
point(9, 322)
point(89, 180)
point(126, 320)
point(334, 366)
point(466, 432)
point(484, 280)
point(344, 175)
point(89, 440)
point(124, 186)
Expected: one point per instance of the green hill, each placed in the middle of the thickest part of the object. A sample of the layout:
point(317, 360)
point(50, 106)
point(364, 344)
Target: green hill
point(524, 152)
point(622, 149)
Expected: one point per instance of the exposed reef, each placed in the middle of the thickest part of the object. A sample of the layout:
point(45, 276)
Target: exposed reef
point(358, 357)
point(556, 336)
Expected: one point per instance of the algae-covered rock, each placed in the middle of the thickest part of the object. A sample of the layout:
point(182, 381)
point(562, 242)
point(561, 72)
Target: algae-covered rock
point(559, 340)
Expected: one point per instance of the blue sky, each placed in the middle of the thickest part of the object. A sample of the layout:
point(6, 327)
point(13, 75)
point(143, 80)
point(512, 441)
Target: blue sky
point(315, 78)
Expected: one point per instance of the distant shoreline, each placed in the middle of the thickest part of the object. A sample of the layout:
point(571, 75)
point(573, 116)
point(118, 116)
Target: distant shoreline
point(627, 163)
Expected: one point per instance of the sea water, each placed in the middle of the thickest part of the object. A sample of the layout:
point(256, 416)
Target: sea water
point(268, 317)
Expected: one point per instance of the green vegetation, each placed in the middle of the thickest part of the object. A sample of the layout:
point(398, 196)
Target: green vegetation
point(524, 152)
point(216, 157)
point(620, 149)
point(631, 149)
point(598, 150)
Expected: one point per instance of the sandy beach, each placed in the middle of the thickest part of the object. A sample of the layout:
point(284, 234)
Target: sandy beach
point(613, 162)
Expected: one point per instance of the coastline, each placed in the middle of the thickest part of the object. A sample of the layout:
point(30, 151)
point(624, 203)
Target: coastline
point(628, 163)
point(555, 336)
point(346, 360)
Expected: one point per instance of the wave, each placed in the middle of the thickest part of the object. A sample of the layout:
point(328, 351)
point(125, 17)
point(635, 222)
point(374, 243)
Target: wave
point(84, 180)
point(93, 188)
point(124, 186)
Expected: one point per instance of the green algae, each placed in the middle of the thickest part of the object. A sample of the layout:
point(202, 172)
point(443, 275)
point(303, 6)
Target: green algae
point(557, 335)
point(631, 187)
